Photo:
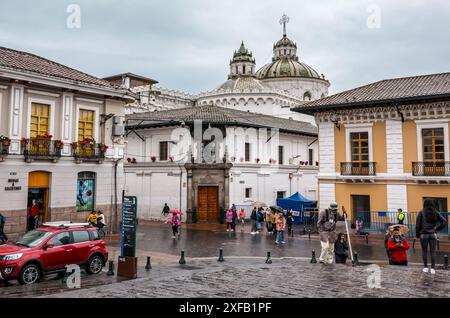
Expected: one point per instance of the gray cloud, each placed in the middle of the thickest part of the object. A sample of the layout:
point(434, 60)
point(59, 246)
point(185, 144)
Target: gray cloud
point(187, 44)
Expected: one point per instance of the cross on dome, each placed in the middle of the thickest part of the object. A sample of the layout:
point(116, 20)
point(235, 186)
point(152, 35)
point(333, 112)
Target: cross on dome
point(284, 19)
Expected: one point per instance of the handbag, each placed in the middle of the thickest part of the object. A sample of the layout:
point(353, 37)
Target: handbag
point(353, 226)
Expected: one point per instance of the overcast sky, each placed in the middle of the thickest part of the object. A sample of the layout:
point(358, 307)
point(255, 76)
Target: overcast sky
point(187, 44)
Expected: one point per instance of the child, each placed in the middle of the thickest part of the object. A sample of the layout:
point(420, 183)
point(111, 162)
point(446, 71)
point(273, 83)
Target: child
point(340, 249)
point(242, 218)
point(359, 226)
point(229, 220)
point(281, 225)
point(175, 223)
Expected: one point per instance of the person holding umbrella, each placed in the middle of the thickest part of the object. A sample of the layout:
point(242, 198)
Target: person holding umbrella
point(398, 245)
point(175, 222)
point(327, 232)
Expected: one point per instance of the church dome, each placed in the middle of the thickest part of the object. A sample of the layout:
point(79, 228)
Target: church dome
point(243, 83)
point(286, 67)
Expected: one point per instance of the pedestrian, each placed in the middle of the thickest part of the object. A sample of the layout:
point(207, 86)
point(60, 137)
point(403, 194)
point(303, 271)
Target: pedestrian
point(327, 232)
point(341, 248)
point(253, 220)
point(428, 223)
point(92, 218)
point(235, 216)
point(242, 219)
point(401, 216)
point(175, 222)
point(33, 215)
point(165, 210)
point(268, 217)
point(101, 223)
point(273, 221)
point(3, 236)
point(359, 226)
point(281, 226)
point(398, 245)
point(229, 220)
point(344, 214)
point(289, 220)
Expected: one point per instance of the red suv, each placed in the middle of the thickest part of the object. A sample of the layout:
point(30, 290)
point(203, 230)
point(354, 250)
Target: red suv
point(47, 250)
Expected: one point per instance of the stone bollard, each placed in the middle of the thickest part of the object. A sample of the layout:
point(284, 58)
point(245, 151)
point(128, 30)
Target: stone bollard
point(111, 268)
point(309, 235)
point(182, 261)
point(313, 258)
point(220, 255)
point(268, 260)
point(446, 262)
point(149, 264)
point(355, 259)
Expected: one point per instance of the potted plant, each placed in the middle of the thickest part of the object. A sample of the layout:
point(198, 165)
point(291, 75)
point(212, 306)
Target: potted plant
point(302, 163)
point(129, 160)
point(153, 158)
point(233, 159)
point(257, 160)
point(171, 158)
point(272, 161)
point(291, 161)
point(103, 147)
point(59, 144)
point(133, 160)
point(74, 145)
point(317, 163)
point(241, 159)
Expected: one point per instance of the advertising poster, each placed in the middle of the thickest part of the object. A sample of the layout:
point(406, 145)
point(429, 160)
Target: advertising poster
point(85, 195)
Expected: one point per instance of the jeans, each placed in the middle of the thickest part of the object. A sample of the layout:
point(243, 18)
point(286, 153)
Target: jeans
point(280, 236)
point(175, 230)
point(101, 231)
point(253, 225)
point(431, 240)
point(230, 225)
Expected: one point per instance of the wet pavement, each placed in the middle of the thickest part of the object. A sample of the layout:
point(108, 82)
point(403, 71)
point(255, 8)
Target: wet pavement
point(284, 278)
point(205, 277)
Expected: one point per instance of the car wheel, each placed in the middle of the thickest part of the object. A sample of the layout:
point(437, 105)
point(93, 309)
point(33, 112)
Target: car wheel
point(94, 265)
point(29, 274)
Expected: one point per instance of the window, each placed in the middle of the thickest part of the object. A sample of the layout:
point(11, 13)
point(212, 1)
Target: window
point(163, 150)
point(281, 194)
point(243, 69)
point(85, 124)
point(85, 191)
point(80, 236)
point(280, 154)
point(247, 152)
point(311, 157)
point(359, 147)
point(60, 239)
point(39, 119)
point(94, 235)
point(433, 144)
point(307, 96)
point(248, 193)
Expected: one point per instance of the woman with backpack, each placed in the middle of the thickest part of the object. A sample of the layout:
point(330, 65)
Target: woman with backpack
point(428, 223)
point(175, 222)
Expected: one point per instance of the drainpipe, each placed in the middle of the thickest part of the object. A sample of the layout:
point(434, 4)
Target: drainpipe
point(116, 215)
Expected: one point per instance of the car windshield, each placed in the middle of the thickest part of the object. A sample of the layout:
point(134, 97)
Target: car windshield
point(33, 238)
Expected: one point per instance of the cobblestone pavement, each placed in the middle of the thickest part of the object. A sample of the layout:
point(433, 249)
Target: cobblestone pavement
point(251, 277)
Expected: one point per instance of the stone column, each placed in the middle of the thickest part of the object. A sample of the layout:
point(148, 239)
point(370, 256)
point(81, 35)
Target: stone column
point(226, 186)
point(189, 190)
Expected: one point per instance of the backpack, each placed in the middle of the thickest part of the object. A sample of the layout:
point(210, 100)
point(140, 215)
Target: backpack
point(3, 220)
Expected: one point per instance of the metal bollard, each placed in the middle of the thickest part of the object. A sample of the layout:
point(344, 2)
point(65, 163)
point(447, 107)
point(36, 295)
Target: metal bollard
point(309, 235)
point(367, 238)
point(313, 258)
point(111, 268)
point(355, 259)
point(414, 242)
point(182, 261)
point(149, 265)
point(220, 255)
point(268, 260)
point(446, 262)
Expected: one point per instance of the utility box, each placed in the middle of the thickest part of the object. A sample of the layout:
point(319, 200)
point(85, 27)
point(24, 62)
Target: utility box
point(118, 130)
point(127, 267)
point(117, 120)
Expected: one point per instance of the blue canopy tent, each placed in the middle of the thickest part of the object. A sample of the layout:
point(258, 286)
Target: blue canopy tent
point(297, 203)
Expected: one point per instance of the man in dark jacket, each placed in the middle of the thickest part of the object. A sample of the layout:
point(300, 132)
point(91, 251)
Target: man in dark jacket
point(165, 210)
point(327, 232)
point(3, 236)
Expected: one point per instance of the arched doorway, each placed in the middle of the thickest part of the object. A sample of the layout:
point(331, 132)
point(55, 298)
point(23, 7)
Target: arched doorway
point(38, 192)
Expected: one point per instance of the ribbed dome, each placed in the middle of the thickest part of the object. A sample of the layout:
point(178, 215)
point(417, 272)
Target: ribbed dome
point(286, 67)
point(285, 41)
point(243, 83)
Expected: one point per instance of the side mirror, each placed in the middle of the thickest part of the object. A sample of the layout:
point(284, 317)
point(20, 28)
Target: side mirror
point(49, 245)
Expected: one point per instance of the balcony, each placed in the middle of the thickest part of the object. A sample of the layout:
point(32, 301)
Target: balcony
point(358, 168)
point(88, 151)
point(431, 169)
point(41, 149)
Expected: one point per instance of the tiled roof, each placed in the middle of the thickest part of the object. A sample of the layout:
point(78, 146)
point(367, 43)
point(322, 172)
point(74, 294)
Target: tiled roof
point(221, 115)
point(406, 88)
point(30, 63)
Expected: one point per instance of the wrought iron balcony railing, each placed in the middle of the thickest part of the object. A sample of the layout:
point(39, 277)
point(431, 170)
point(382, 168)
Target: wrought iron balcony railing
point(41, 149)
point(431, 169)
point(358, 168)
point(90, 152)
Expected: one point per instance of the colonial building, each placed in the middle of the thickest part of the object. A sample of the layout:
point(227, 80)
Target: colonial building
point(61, 140)
point(205, 158)
point(385, 145)
point(272, 90)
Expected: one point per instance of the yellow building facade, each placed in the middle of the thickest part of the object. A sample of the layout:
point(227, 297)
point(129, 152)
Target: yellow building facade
point(385, 146)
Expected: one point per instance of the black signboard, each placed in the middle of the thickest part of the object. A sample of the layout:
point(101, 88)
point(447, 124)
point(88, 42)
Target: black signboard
point(129, 225)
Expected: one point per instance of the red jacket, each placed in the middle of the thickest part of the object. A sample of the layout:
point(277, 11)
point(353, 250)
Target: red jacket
point(34, 210)
point(398, 252)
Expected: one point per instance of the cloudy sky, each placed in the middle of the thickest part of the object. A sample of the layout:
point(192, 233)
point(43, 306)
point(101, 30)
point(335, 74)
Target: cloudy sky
point(187, 44)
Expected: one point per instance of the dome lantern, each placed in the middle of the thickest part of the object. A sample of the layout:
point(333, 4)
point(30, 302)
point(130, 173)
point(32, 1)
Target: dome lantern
point(242, 63)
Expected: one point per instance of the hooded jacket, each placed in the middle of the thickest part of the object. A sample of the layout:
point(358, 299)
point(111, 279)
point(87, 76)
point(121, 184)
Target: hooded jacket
point(327, 225)
point(424, 227)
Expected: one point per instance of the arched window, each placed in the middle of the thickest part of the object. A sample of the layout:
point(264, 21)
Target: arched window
point(307, 96)
point(85, 191)
point(243, 69)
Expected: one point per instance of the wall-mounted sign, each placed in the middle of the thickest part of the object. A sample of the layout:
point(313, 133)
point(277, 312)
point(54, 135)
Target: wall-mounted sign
point(13, 187)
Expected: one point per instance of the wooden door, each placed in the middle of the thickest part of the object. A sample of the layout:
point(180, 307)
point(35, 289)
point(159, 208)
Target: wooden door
point(208, 204)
